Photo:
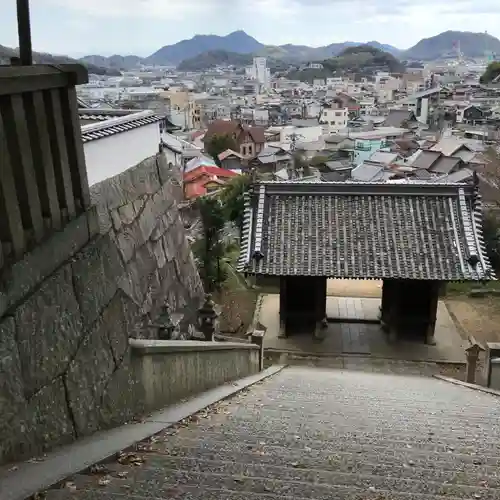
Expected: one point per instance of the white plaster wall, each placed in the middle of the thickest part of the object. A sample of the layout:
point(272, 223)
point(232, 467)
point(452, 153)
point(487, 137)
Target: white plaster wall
point(113, 155)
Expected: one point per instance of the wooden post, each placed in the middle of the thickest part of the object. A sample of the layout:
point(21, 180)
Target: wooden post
point(24, 32)
point(433, 307)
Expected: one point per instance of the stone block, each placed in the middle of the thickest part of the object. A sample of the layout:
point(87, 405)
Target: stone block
point(128, 240)
point(148, 218)
point(24, 276)
point(128, 213)
point(116, 220)
point(169, 245)
point(45, 422)
point(49, 328)
point(140, 272)
point(120, 320)
point(123, 397)
point(158, 251)
point(138, 204)
point(127, 186)
point(11, 382)
point(97, 270)
point(87, 375)
point(104, 218)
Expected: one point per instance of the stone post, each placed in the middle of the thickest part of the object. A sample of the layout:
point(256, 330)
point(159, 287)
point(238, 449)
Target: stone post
point(258, 338)
point(208, 318)
point(472, 355)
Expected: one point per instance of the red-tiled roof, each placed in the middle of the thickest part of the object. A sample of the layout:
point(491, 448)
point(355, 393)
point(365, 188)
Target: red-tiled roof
point(204, 170)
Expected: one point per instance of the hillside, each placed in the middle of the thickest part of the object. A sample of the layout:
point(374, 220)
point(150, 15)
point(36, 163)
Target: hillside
point(117, 62)
point(236, 42)
point(213, 58)
point(41, 58)
point(362, 60)
point(444, 45)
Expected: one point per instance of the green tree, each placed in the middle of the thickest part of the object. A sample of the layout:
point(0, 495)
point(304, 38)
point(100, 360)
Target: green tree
point(492, 71)
point(233, 199)
point(210, 251)
point(491, 233)
point(218, 143)
point(301, 164)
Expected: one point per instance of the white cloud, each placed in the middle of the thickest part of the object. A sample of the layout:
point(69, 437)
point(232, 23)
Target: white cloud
point(143, 26)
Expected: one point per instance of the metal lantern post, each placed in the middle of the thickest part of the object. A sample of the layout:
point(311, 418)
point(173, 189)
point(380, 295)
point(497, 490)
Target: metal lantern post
point(24, 32)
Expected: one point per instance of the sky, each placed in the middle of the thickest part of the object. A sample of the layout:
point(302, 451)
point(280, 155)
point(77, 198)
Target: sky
point(140, 27)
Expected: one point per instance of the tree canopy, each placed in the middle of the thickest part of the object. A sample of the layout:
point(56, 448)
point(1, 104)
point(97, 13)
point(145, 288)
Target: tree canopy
point(219, 143)
point(492, 71)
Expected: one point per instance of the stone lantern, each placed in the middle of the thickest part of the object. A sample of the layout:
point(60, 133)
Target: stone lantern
point(208, 318)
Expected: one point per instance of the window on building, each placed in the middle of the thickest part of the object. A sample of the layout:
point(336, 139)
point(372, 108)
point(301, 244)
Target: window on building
point(324, 113)
point(338, 113)
point(243, 150)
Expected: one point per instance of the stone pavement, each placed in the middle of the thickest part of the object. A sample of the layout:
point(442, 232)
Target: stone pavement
point(319, 435)
point(361, 338)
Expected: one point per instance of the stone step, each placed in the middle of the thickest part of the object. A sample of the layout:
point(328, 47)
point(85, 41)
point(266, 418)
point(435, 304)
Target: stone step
point(355, 444)
point(310, 470)
point(477, 468)
point(324, 452)
point(156, 483)
point(319, 434)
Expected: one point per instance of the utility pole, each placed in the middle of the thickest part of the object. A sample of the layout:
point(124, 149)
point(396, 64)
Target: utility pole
point(24, 32)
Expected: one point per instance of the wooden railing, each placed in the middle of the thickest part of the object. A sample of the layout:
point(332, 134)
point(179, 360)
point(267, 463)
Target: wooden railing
point(43, 178)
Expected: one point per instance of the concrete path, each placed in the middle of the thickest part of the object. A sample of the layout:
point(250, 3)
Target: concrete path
point(362, 338)
point(320, 435)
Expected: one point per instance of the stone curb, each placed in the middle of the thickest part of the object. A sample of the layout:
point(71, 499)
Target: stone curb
point(338, 355)
point(33, 477)
point(474, 387)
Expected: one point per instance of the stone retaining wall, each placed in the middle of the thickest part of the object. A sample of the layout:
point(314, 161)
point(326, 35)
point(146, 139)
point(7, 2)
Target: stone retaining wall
point(68, 309)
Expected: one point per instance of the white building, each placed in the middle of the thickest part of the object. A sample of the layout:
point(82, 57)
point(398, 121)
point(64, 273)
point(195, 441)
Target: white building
point(260, 72)
point(335, 119)
point(114, 145)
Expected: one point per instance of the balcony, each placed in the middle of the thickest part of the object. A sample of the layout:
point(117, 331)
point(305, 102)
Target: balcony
point(43, 178)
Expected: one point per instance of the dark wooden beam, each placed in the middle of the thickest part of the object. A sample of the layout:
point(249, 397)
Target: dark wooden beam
point(24, 32)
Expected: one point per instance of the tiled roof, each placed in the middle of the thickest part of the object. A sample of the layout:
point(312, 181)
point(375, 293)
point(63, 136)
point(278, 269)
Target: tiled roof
point(364, 230)
point(117, 125)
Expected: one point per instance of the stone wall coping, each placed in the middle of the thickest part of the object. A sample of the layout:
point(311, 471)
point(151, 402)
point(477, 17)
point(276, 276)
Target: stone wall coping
point(145, 347)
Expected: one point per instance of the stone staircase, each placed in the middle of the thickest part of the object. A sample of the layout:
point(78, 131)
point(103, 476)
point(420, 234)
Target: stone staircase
point(311, 433)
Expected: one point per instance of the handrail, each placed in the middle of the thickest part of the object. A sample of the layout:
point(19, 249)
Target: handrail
point(43, 177)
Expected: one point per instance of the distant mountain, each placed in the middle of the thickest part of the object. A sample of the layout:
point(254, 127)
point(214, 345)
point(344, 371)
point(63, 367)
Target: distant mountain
point(362, 60)
point(445, 45)
point(116, 61)
point(213, 58)
point(41, 58)
point(238, 42)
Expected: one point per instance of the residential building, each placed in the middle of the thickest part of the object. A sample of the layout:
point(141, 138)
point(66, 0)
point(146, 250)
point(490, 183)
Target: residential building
point(205, 179)
point(334, 118)
point(250, 140)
